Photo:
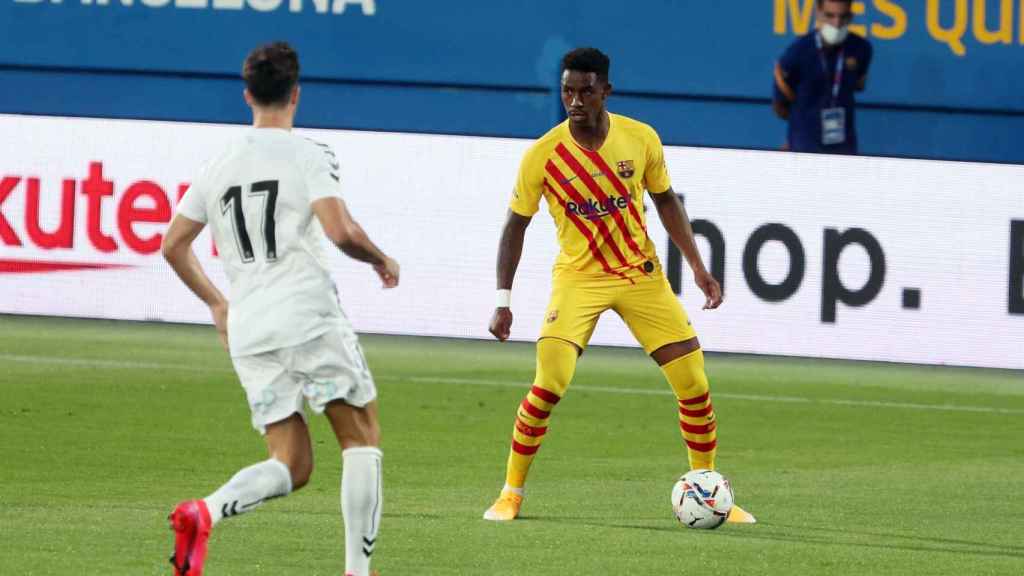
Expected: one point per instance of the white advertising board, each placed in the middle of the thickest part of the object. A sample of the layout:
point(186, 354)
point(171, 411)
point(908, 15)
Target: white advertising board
point(861, 258)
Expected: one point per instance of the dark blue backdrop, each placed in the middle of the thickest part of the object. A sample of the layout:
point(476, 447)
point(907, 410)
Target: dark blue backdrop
point(947, 81)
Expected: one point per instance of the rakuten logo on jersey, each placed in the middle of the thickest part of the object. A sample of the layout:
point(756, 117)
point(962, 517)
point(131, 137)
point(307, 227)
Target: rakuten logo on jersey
point(84, 204)
point(595, 209)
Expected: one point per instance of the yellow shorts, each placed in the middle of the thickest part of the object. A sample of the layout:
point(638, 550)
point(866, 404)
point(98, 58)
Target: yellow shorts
point(648, 307)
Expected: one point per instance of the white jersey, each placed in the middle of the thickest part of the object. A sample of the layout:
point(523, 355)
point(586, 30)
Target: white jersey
point(256, 197)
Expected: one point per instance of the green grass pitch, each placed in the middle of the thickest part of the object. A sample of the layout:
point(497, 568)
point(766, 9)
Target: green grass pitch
point(852, 468)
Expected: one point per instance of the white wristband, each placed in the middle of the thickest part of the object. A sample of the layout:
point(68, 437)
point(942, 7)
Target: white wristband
point(504, 299)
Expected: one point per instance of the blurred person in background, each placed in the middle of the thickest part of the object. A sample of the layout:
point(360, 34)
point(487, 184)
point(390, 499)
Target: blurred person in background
point(816, 79)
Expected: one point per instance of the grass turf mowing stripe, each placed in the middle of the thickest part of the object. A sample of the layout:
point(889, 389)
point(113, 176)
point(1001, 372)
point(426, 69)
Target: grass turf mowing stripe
point(104, 363)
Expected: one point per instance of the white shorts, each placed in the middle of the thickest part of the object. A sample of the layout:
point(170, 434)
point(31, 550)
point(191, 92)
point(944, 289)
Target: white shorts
point(328, 367)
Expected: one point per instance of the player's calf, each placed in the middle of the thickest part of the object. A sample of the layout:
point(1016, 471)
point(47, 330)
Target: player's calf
point(696, 414)
point(361, 504)
point(248, 488)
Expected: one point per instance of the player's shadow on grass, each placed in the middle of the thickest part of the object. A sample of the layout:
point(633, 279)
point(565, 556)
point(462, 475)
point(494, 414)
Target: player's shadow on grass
point(914, 544)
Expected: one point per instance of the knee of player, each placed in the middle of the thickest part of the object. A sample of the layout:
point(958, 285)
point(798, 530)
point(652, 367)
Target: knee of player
point(556, 362)
point(554, 380)
point(360, 437)
point(371, 437)
point(674, 351)
point(368, 434)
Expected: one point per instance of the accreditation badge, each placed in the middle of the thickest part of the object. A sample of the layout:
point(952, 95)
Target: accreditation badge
point(833, 126)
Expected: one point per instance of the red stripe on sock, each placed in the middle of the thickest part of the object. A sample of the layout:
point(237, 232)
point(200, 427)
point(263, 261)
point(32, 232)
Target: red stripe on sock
point(696, 399)
point(531, 431)
point(697, 429)
point(696, 413)
point(700, 446)
point(545, 395)
point(534, 411)
point(523, 449)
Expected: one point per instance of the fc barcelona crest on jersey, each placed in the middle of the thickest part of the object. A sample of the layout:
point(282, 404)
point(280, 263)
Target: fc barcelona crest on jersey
point(625, 168)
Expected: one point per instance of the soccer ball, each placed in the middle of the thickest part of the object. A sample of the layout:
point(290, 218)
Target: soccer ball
point(702, 499)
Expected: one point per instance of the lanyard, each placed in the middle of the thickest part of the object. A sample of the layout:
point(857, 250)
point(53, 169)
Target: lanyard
point(838, 78)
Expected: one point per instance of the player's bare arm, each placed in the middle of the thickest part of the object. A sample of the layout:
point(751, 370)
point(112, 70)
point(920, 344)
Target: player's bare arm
point(177, 250)
point(677, 224)
point(781, 108)
point(510, 250)
point(342, 230)
point(781, 105)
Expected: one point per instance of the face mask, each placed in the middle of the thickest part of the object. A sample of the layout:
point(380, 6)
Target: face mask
point(833, 35)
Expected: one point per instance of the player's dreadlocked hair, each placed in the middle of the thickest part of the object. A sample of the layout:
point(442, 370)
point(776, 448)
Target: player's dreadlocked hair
point(271, 72)
point(821, 3)
point(587, 60)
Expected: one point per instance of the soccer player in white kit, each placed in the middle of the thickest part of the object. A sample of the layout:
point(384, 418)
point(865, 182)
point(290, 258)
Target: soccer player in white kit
point(269, 198)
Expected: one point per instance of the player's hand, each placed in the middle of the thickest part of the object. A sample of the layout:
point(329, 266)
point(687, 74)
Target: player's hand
point(388, 272)
point(710, 287)
point(501, 323)
point(220, 322)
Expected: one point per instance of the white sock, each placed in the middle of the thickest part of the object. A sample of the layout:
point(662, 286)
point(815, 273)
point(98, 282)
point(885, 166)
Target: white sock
point(361, 500)
point(512, 489)
point(248, 488)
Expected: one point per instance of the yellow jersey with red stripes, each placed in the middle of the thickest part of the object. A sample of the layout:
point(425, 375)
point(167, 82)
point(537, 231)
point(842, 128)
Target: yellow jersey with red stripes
point(596, 196)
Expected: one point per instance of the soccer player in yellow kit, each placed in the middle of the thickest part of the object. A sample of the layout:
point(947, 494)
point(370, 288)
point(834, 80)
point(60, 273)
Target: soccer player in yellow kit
point(593, 169)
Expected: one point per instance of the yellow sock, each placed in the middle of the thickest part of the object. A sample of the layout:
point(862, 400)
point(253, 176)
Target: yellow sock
point(556, 362)
point(696, 416)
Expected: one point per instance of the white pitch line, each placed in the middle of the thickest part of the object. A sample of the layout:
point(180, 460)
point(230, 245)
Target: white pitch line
point(750, 397)
point(103, 363)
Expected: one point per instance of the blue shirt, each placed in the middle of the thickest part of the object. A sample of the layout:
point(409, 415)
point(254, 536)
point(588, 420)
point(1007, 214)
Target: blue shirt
point(802, 80)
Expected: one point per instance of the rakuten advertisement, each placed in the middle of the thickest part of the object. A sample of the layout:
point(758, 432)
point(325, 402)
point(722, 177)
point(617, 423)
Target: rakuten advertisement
point(862, 258)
